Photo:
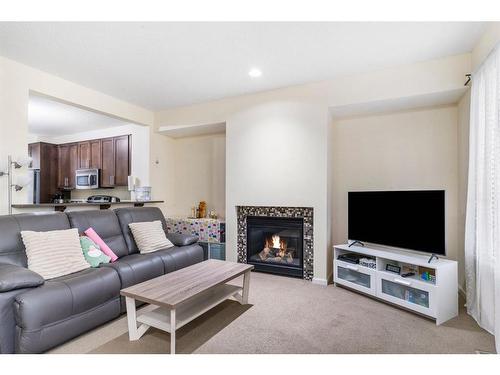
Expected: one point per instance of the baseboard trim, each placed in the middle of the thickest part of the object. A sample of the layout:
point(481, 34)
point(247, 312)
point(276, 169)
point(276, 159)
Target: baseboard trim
point(324, 282)
point(318, 281)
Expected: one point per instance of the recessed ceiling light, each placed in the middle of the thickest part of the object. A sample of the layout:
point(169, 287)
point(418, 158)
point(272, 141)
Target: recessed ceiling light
point(254, 73)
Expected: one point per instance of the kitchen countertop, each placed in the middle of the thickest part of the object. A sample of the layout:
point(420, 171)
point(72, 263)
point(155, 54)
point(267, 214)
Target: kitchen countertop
point(62, 206)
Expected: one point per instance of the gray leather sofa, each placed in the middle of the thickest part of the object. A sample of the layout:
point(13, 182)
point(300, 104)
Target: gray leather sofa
point(38, 314)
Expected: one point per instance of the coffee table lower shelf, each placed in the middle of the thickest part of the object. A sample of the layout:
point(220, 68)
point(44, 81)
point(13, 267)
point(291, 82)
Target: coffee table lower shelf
point(170, 320)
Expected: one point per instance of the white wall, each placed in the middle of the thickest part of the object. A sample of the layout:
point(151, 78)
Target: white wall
point(162, 170)
point(277, 157)
point(397, 151)
point(300, 115)
point(200, 174)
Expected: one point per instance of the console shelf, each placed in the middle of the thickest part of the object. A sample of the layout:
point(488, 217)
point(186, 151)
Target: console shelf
point(436, 297)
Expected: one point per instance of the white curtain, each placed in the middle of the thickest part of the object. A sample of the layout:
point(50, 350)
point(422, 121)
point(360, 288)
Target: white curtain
point(482, 233)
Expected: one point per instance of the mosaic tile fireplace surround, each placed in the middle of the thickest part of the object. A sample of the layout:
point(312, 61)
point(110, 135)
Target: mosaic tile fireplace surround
point(277, 239)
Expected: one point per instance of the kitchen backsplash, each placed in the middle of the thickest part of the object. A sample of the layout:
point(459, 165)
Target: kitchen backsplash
point(120, 192)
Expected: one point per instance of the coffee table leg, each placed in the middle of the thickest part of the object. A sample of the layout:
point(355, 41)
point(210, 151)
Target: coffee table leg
point(131, 319)
point(246, 287)
point(172, 331)
point(134, 332)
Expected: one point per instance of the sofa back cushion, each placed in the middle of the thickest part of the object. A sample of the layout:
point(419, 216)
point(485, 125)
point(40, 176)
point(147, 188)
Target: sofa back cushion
point(106, 225)
point(54, 253)
point(137, 215)
point(12, 250)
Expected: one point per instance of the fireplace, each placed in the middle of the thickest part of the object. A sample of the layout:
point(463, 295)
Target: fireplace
point(275, 244)
point(256, 226)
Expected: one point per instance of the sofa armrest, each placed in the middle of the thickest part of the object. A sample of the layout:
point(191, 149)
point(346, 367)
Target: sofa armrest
point(182, 239)
point(14, 277)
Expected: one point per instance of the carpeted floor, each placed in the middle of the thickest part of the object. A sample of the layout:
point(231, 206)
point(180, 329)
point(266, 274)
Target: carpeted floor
point(289, 315)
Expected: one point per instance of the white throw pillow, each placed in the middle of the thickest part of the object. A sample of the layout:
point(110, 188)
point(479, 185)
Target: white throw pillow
point(149, 236)
point(54, 253)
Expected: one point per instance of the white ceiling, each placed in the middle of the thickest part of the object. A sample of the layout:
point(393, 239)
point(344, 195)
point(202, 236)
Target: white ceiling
point(51, 118)
point(162, 65)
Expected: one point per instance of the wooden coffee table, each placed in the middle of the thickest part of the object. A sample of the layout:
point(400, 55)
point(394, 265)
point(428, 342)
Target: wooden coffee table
point(183, 295)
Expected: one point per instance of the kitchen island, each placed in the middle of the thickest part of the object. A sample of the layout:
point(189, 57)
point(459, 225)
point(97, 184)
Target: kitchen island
point(62, 206)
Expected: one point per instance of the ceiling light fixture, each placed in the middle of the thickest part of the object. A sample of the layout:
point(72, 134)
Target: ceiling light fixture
point(255, 73)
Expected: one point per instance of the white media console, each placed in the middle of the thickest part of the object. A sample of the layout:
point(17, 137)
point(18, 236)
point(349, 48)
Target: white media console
point(436, 297)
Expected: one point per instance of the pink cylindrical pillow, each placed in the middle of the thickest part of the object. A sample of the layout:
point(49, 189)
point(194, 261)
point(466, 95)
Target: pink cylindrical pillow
point(91, 233)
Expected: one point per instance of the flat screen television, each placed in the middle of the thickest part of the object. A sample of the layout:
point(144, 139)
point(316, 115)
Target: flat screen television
point(413, 220)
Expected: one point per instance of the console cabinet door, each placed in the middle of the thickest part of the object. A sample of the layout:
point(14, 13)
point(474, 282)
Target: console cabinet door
point(108, 162)
point(122, 160)
point(356, 277)
point(413, 294)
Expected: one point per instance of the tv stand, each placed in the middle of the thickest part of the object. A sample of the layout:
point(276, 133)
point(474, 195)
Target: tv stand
point(432, 257)
point(432, 291)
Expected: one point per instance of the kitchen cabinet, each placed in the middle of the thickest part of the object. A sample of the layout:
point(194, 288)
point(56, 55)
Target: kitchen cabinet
point(68, 164)
point(115, 155)
point(45, 159)
point(122, 160)
point(84, 155)
point(95, 154)
point(107, 162)
point(110, 155)
point(89, 154)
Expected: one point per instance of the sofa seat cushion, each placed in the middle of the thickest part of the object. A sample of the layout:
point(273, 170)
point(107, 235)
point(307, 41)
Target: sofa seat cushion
point(136, 268)
point(61, 298)
point(175, 258)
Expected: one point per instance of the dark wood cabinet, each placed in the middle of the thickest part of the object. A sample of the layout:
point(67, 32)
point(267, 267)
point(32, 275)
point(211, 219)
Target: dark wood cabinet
point(63, 157)
point(112, 156)
point(89, 154)
point(68, 164)
point(45, 159)
point(115, 161)
point(107, 162)
point(95, 154)
point(84, 155)
point(122, 160)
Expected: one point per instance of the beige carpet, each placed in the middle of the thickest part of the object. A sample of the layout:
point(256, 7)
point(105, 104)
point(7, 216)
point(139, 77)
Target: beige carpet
point(289, 315)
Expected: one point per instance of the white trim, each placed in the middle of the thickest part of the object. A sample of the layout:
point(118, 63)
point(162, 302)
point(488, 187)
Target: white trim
point(318, 281)
point(480, 66)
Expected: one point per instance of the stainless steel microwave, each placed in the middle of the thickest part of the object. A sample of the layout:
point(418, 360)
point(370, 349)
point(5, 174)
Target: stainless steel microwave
point(87, 178)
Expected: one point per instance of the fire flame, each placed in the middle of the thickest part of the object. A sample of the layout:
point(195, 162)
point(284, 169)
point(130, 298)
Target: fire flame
point(276, 241)
point(276, 248)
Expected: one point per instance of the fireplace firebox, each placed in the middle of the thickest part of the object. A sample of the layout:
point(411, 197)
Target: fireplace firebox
point(275, 244)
